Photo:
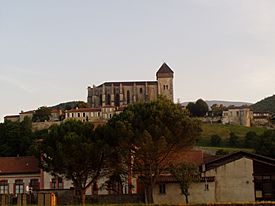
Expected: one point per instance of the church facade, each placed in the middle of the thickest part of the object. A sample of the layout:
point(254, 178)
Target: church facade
point(123, 93)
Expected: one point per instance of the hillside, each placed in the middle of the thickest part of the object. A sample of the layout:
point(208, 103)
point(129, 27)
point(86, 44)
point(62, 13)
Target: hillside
point(69, 105)
point(224, 131)
point(265, 105)
point(225, 103)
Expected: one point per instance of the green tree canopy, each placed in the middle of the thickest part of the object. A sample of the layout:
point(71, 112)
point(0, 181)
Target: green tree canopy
point(198, 109)
point(150, 132)
point(185, 174)
point(266, 144)
point(41, 114)
point(15, 138)
point(72, 150)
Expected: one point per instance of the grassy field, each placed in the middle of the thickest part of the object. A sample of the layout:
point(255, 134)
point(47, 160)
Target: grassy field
point(224, 130)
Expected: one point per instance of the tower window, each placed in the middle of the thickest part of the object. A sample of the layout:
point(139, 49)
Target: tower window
point(163, 87)
point(166, 86)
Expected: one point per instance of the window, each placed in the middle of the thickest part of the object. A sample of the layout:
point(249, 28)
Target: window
point(57, 183)
point(140, 90)
point(60, 183)
point(117, 100)
point(4, 187)
point(108, 99)
point(78, 114)
point(19, 187)
point(167, 87)
point(53, 183)
point(34, 184)
point(163, 87)
point(162, 189)
point(128, 97)
point(83, 114)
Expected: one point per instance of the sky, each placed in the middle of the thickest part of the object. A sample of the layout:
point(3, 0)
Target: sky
point(51, 51)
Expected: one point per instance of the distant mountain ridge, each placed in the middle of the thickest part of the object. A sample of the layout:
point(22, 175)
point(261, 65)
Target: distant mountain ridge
point(224, 103)
point(265, 105)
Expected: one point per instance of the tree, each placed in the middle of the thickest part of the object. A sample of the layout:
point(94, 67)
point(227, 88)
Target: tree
point(233, 140)
point(217, 110)
point(41, 114)
point(150, 132)
point(251, 139)
point(15, 138)
point(266, 144)
point(215, 140)
point(72, 150)
point(185, 174)
point(198, 109)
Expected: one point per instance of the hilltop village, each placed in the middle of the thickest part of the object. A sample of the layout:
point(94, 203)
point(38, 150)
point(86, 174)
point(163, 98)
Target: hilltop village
point(240, 176)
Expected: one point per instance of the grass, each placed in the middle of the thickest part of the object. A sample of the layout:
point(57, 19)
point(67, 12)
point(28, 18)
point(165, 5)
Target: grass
point(224, 130)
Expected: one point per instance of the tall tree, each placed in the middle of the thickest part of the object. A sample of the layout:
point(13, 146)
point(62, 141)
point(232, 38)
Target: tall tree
point(266, 144)
point(15, 138)
point(198, 109)
point(150, 132)
point(185, 174)
point(41, 114)
point(72, 150)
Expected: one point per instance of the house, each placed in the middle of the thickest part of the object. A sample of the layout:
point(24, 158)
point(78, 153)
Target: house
point(237, 177)
point(124, 93)
point(18, 172)
point(95, 115)
point(27, 114)
point(20, 175)
point(237, 116)
point(12, 118)
point(261, 119)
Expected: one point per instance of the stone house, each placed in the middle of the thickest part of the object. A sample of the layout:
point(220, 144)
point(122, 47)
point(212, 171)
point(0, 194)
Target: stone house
point(237, 177)
point(262, 119)
point(124, 93)
point(237, 116)
point(12, 118)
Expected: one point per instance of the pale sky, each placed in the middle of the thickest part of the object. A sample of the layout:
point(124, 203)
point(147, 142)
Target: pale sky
point(51, 51)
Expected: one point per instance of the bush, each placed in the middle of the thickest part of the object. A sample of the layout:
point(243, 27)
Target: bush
point(215, 140)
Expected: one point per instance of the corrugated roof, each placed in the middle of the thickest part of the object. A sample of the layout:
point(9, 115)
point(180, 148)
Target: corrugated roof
point(19, 165)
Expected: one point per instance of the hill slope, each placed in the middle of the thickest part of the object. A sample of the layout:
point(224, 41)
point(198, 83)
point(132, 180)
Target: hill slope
point(224, 103)
point(265, 105)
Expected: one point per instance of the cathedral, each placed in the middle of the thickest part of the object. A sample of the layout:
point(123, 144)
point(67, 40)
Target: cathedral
point(124, 93)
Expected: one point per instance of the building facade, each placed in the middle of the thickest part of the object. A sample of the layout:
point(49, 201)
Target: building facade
point(238, 116)
point(124, 93)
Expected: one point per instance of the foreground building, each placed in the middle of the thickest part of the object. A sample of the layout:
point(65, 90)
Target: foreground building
point(237, 177)
point(124, 93)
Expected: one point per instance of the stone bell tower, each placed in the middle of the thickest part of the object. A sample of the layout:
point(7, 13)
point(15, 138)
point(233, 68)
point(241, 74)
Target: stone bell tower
point(165, 77)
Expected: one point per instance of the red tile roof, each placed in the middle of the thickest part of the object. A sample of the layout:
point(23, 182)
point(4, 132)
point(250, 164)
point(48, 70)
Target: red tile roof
point(184, 155)
point(19, 165)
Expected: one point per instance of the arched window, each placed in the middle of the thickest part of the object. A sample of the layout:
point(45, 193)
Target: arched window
point(100, 100)
point(128, 97)
point(117, 100)
point(108, 101)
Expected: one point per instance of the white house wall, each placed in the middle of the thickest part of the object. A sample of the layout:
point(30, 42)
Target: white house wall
point(173, 195)
point(234, 181)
